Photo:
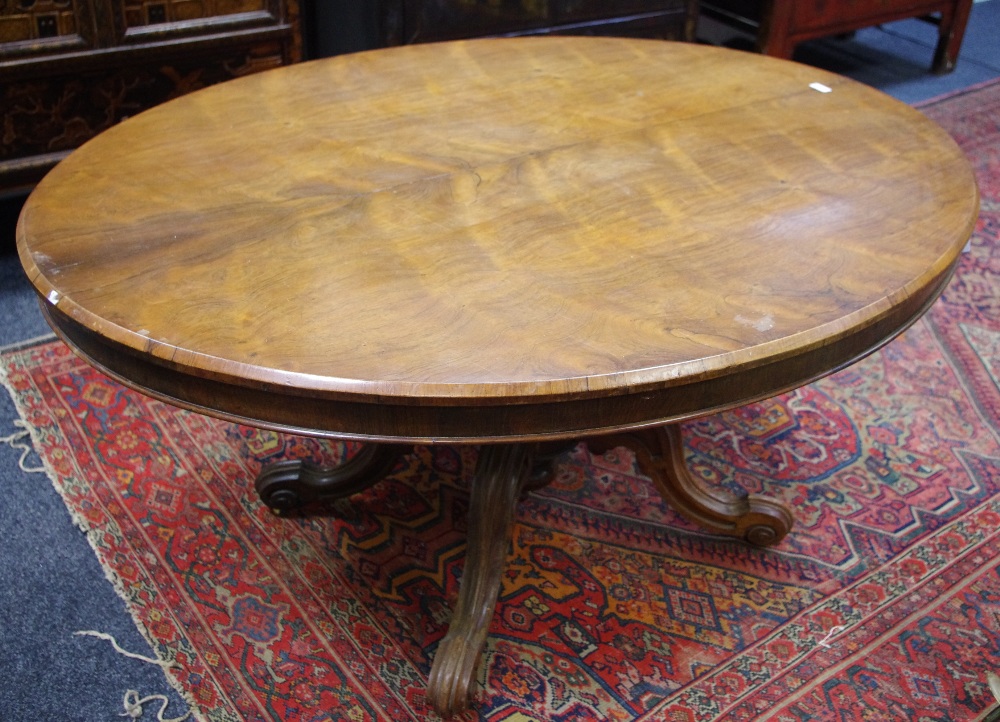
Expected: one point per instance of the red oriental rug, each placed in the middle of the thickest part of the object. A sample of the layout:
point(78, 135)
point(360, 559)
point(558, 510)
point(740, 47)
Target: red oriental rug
point(883, 603)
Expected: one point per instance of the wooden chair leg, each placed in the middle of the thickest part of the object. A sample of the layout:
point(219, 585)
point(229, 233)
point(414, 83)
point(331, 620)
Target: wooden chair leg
point(950, 33)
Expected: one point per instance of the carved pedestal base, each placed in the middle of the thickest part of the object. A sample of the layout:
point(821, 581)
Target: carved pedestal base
point(503, 473)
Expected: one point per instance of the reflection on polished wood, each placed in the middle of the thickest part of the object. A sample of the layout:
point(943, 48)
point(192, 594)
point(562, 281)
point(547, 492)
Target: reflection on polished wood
point(510, 242)
point(501, 239)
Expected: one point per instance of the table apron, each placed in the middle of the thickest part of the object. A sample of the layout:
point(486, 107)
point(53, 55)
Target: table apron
point(490, 420)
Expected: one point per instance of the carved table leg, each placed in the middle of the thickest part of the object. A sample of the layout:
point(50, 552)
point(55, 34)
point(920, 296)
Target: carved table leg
point(501, 472)
point(287, 485)
point(544, 456)
point(660, 454)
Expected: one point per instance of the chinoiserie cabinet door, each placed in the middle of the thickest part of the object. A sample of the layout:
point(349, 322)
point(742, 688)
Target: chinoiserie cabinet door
point(414, 21)
point(70, 69)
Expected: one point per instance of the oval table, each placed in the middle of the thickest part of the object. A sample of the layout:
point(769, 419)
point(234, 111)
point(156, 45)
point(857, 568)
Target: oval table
point(518, 243)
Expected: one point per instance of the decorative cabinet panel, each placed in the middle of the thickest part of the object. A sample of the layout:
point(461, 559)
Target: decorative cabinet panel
point(72, 68)
point(415, 21)
point(24, 21)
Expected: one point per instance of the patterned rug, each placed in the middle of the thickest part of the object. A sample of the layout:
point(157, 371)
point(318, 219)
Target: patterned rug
point(883, 602)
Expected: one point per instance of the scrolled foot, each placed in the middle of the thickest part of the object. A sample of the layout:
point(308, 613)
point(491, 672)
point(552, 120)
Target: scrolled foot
point(278, 486)
point(761, 522)
point(660, 454)
point(762, 536)
point(287, 485)
point(449, 687)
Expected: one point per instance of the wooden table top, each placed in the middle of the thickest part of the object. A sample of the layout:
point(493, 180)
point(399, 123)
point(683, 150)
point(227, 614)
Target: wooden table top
point(626, 231)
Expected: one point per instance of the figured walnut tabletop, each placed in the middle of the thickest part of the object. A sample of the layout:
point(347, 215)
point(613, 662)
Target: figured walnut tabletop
point(513, 242)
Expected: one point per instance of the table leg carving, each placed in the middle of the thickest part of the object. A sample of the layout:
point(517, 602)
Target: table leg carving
point(287, 485)
point(501, 473)
point(544, 456)
point(660, 454)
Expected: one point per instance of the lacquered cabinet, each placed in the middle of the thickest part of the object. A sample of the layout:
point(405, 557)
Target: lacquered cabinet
point(780, 25)
point(72, 68)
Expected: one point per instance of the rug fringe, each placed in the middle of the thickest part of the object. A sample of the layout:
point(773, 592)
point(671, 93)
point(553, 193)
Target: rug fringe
point(133, 706)
point(133, 703)
point(89, 532)
point(165, 664)
point(13, 441)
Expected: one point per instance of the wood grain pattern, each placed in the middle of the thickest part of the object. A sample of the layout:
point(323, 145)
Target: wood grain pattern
point(470, 239)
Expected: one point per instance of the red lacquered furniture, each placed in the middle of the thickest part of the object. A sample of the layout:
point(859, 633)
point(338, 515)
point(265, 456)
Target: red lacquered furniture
point(783, 24)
